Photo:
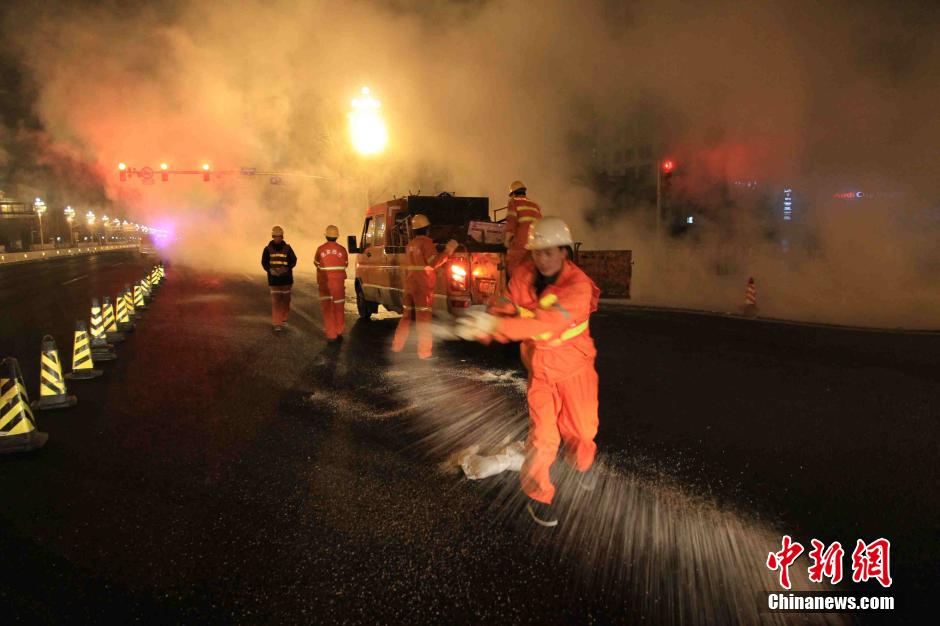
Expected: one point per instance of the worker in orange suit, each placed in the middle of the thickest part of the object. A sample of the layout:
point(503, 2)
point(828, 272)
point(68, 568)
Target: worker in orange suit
point(547, 306)
point(421, 262)
point(332, 260)
point(521, 213)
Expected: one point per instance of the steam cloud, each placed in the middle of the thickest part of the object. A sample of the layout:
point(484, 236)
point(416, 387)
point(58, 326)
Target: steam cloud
point(475, 94)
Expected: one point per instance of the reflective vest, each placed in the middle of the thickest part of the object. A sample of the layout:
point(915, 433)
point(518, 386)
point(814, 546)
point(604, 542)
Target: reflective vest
point(520, 214)
point(331, 257)
point(548, 338)
point(278, 261)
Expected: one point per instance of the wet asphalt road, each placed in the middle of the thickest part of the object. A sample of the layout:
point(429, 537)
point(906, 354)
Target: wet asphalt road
point(219, 473)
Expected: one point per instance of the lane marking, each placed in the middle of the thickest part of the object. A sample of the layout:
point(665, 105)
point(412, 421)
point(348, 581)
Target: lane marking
point(74, 279)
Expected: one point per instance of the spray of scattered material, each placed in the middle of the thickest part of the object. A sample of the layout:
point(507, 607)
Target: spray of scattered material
point(667, 555)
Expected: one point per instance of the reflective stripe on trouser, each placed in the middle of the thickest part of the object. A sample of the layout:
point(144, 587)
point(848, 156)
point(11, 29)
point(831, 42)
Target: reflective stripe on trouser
point(333, 303)
point(514, 258)
point(280, 303)
point(562, 411)
point(420, 300)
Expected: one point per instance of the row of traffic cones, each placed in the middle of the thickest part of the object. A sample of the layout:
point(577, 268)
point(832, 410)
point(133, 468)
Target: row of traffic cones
point(109, 323)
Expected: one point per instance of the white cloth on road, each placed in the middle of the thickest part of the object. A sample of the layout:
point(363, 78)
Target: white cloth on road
point(476, 467)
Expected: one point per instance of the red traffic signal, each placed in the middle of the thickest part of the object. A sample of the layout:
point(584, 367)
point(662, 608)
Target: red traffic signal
point(668, 166)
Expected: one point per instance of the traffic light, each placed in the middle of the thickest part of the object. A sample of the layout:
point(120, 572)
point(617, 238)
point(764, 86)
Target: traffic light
point(122, 169)
point(666, 169)
point(164, 175)
point(205, 172)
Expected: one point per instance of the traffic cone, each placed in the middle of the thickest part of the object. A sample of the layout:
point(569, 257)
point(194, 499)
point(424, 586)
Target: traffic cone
point(101, 350)
point(17, 423)
point(750, 298)
point(162, 270)
point(145, 286)
point(129, 302)
point(112, 333)
point(52, 391)
point(154, 278)
point(139, 303)
point(83, 365)
point(124, 323)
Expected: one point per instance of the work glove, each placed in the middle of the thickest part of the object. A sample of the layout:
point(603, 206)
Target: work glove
point(476, 325)
point(450, 247)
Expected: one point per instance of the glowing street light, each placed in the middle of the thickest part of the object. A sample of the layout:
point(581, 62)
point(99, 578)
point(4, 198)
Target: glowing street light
point(70, 218)
point(366, 126)
point(39, 207)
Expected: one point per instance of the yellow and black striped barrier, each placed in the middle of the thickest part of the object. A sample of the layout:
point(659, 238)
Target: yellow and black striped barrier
point(83, 364)
point(52, 391)
point(112, 333)
point(17, 423)
point(139, 303)
point(129, 302)
point(124, 323)
point(101, 350)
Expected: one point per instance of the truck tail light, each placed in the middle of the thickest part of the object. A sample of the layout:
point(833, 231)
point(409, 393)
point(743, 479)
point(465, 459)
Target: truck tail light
point(458, 276)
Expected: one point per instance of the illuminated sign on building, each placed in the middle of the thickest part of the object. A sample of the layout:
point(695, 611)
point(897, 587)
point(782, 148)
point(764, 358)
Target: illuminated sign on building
point(787, 204)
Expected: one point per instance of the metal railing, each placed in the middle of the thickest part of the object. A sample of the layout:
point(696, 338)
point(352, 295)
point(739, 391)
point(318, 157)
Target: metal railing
point(47, 255)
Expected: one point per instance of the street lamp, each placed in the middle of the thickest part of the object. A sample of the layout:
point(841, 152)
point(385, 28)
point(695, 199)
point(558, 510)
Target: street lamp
point(366, 126)
point(90, 219)
point(40, 207)
point(70, 218)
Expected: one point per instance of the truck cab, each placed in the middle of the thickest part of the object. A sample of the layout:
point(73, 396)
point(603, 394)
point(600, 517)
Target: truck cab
point(469, 278)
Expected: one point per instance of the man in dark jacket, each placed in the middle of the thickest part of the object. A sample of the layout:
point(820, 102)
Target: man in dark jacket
point(278, 260)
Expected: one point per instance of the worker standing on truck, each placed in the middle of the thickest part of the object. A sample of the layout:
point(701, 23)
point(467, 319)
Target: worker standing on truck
point(520, 214)
point(421, 262)
point(547, 306)
point(331, 260)
point(278, 260)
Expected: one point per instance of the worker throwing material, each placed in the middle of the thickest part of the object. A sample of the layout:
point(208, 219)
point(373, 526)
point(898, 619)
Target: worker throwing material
point(547, 306)
point(278, 260)
point(331, 260)
point(422, 260)
point(521, 213)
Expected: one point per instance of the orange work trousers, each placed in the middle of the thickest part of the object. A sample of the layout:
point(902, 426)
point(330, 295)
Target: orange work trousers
point(566, 411)
point(332, 287)
point(280, 303)
point(419, 299)
point(514, 258)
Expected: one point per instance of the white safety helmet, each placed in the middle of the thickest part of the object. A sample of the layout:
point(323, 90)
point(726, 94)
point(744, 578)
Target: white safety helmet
point(549, 232)
point(419, 220)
